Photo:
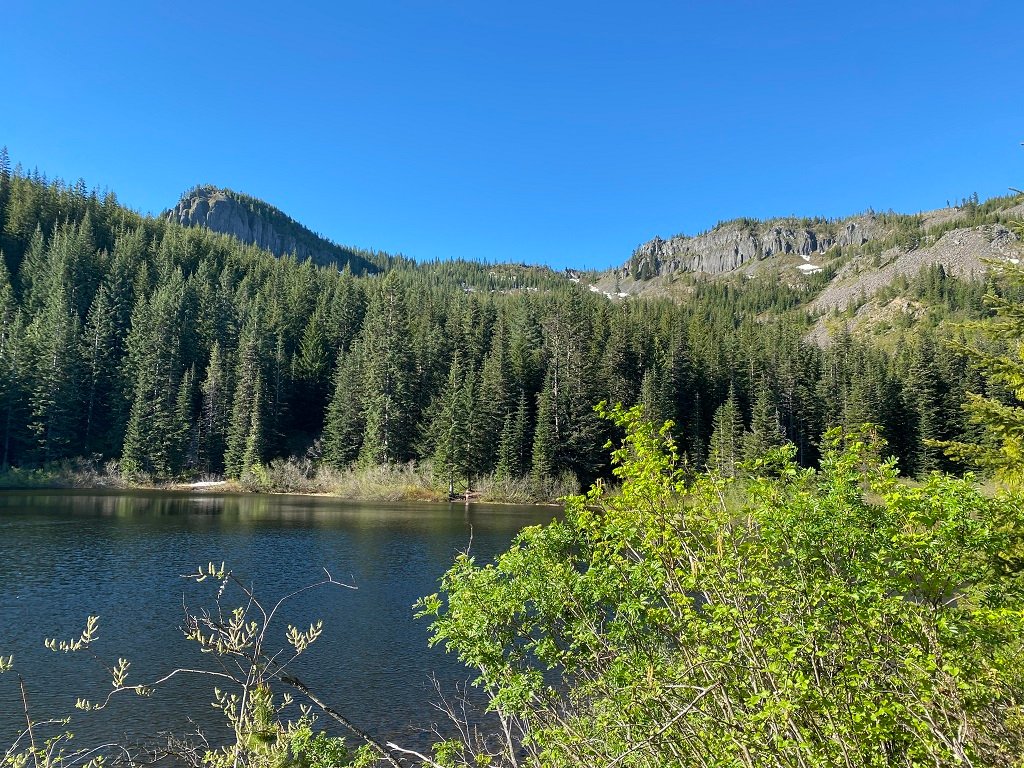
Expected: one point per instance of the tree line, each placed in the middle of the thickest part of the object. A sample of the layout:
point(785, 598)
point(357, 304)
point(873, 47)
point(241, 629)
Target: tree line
point(179, 352)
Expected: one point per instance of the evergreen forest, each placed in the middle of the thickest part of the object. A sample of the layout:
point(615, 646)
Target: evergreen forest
point(136, 345)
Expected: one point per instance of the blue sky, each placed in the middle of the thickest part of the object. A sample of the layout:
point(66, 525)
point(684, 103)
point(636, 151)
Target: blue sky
point(563, 133)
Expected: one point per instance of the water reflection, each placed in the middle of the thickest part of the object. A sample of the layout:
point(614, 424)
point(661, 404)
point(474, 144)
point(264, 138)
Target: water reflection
point(66, 555)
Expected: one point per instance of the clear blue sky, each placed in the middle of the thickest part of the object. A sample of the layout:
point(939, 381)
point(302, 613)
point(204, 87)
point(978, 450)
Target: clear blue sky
point(556, 132)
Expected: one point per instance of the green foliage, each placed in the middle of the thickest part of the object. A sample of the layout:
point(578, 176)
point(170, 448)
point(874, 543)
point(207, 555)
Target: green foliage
point(999, 411)
point(830, 617)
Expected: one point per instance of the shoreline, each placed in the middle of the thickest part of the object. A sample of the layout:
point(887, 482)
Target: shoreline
point(66, 479)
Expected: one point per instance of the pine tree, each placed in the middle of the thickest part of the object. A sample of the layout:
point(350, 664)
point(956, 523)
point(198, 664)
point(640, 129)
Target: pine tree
point(245, 430)
point(726, 448)
point(12, 373)
point(542, 463)
point(216, 412)
point(765, 428)
point(925, 395)
point(654, 397)
point(55, 394)
point(102, 353)
point(153, 435)
point(999, 411)
point(387, 376)
point(490, 407)
point(254, 438)
point(344, 427)
point(450, 429)
point(512, 448)
point(313, 369)
point(187, 427)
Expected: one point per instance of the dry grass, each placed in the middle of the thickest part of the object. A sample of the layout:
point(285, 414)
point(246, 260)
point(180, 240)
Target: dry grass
point(395, 482)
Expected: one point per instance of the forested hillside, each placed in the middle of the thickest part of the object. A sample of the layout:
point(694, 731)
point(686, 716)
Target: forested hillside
point(179, 352)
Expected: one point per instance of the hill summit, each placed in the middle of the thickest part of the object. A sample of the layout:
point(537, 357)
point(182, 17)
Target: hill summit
point(261, 224)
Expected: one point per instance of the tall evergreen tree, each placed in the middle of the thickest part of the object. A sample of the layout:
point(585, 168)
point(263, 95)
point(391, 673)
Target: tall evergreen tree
point(216, 412)
point(12, 371)
point(246, 429)
point(55, 394)
point(387, 376)
point(512, 449)
point(765, 426)
point(343, 431)
point(726, 449)
point(450, 428)
point(542, 462)
point(154, 434)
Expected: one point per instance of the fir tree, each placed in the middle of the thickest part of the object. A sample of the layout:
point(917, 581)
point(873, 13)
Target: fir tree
point(216, 412)
point(765, 428)
point(726, 450)
point(245, 430)
point(542, 463)
point(343, 431)
point(387, 376)
point(55, 393)
point(512, 448)
point(450, 429)
point(153, 436)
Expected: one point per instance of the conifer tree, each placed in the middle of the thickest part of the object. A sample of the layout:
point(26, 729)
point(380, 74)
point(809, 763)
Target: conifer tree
point(512, 448)
point(387, 376)
point(254, 438)
point(12, 371)
point(542, 463)
point(102, 352)
point(187, 426)
point(450, 428)
point(55, 393)
point(343, 430)
point(490, 407)
point(726, 449)
point(999, 410)
point(216, 412)
point(925, 396)
point(312, 381)
point(153, 436)
point(765, 428)
point(245, 430)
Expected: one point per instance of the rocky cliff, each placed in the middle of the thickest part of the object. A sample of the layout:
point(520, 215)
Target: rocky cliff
point(735, 244)
point(254, 221)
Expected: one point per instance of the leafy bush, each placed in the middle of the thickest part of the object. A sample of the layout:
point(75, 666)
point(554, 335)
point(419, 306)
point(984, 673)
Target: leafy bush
point(829, 617)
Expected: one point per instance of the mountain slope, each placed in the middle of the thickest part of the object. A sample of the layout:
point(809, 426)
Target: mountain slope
point(259, 223)
point(844, 260)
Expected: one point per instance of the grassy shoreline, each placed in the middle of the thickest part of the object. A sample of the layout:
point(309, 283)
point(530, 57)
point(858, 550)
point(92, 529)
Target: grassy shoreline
point(396, 483)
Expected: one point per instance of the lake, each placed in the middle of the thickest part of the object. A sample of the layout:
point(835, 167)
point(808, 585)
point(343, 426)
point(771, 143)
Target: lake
point(120, 555)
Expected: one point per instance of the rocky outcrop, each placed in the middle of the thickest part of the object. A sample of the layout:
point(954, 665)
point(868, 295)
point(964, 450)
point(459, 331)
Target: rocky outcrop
point(253, 221)
point(735, 244)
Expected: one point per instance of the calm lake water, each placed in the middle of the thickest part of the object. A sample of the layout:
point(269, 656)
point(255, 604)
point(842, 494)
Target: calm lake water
point(66, 555)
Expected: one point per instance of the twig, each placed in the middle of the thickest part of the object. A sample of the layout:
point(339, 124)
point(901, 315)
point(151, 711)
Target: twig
point(298, 685)
point(421, 756)
point(28, 720)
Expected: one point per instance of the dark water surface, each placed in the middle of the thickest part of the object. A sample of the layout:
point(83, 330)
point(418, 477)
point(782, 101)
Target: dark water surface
point(66, 555)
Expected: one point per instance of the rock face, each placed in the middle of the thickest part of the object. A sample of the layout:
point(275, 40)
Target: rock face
point(734, 244)
point(253, 221)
